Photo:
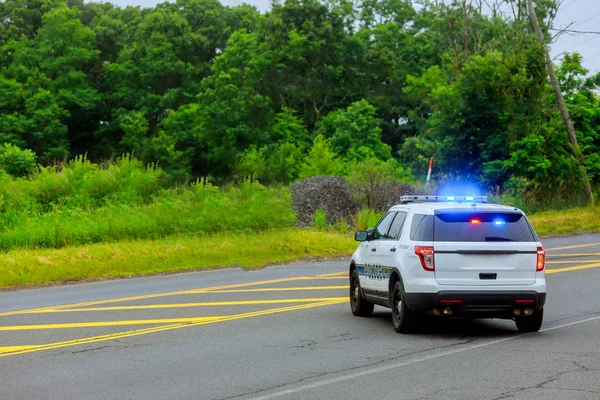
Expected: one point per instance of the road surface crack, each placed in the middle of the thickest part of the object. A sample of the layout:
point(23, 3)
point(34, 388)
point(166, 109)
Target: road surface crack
point(343, 370)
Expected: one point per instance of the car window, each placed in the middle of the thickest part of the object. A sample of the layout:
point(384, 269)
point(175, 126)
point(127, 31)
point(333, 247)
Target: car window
point(482, 227)
point(383, 226)
point(397, 225)
point(421, 229)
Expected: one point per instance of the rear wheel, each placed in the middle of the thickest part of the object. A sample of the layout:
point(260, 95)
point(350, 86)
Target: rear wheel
point(403, 318)
point(533, 323)
point(360, 306)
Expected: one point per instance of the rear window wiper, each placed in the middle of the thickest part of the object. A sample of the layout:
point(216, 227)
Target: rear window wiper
point(497, 239)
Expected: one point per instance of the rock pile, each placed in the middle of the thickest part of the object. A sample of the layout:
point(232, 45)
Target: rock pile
point(337, 198)
point(328, 193)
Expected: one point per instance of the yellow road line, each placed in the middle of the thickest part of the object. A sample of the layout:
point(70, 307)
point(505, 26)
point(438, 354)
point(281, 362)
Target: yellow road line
point(570, 261)
point(184, 305)
point(575, 268)
point(167, 294)
point(120, 335)
point(573, 255)
point(301, 288)
point(9, 349)
point(573, 247)
point(108, 323)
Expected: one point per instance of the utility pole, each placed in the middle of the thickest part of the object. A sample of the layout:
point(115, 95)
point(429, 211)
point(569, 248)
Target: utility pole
point(564, 112)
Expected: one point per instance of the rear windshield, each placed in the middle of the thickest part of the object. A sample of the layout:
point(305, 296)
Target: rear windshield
point(482, 227)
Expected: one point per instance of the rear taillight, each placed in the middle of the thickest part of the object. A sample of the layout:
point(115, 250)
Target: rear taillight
point(541, 259)
point(426, 256)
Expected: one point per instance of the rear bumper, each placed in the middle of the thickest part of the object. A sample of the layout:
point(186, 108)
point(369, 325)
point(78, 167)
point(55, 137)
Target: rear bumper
point(478, 303)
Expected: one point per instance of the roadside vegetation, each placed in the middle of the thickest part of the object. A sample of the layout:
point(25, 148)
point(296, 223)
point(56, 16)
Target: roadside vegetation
point(83, 203)
point(175, 254)
point(84, 221)
point(212, 100)
point(567, 221)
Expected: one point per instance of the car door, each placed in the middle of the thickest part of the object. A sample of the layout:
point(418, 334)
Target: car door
point(387, 251)
point(371, 274)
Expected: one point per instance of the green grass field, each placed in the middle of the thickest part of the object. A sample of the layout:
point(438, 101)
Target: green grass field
point(143, 257)
point(566, 222)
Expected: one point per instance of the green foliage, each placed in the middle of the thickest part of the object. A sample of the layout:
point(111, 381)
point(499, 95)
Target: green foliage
point(321, 160)
point(372, 180)
point(321, 220)
point(308, 88)
point(15, 161)
point(366, 219)
point(83, 203)
point(354, 133)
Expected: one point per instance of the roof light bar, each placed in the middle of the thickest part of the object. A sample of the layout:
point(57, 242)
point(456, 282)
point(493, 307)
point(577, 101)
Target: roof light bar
point(439, 199)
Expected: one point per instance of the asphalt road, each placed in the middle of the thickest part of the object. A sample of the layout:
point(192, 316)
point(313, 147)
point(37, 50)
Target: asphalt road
point(288, 333)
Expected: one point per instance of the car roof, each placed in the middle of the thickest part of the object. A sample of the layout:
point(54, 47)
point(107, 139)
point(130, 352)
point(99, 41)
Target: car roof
point(431, 207)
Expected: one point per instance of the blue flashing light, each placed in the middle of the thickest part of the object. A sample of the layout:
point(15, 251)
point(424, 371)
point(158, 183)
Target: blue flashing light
point(499, 222)
point(450, 198)
point(469, 198)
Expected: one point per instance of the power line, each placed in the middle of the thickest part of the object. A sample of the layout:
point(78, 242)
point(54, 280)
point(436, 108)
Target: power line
point(567, 6)
point(586, 20)
point(574, 31)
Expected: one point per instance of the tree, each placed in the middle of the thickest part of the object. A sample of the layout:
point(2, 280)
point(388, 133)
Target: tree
point(321, 160)
point(354, 133)
point(15, 161)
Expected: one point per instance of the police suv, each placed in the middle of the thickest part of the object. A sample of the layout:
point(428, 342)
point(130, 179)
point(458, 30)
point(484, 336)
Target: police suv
point(450, 256)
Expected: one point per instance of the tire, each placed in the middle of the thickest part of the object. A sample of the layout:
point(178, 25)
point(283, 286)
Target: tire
point(532, 323)
point(403, 318)
point(360, 306)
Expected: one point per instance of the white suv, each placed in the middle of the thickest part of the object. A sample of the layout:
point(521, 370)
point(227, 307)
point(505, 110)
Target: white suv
point(450, 256)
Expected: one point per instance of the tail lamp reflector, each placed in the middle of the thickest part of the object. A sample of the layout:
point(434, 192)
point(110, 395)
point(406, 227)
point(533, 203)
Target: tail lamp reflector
point(541, 259)
point(426, 254)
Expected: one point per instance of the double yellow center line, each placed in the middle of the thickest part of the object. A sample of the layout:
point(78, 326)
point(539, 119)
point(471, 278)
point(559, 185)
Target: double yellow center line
point(177, 323)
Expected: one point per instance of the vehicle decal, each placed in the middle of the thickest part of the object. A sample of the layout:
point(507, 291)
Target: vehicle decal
point(374, 271)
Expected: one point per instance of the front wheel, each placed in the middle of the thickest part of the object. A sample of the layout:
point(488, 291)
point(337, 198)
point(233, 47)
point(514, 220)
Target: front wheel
point(533, 323)
point(360, 306)
point(403, 318)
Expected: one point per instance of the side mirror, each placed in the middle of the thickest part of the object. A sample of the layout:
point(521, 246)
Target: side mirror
point(361, 236)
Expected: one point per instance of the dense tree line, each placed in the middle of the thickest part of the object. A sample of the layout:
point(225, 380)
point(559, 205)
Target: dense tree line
point(310, 87)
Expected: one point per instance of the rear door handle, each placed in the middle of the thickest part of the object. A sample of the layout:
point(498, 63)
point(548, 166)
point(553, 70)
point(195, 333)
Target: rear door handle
point(393, 249)
point(374, 249)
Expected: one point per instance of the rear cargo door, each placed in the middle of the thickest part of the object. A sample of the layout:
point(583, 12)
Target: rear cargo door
point(474, 248)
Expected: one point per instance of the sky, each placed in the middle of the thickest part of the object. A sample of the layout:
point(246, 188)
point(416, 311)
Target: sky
point(581, 15)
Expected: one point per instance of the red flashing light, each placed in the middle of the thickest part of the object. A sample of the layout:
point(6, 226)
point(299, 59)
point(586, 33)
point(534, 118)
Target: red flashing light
point(426, 254)
point(541, 259)
point(476, 221)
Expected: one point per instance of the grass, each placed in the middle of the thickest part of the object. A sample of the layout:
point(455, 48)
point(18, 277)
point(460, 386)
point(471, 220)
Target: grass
point(83, 203)
point(27, 267)
point(566, 222)
point(84, 221)
point(23, 267)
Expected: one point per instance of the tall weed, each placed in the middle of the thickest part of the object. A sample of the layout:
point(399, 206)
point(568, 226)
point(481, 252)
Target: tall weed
point(81, 203)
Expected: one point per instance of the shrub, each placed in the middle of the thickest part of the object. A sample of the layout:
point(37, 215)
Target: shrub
point(15, 161)
point(321, 219)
